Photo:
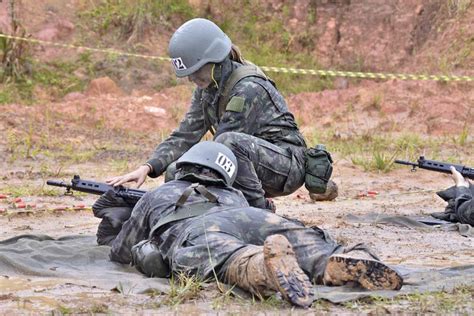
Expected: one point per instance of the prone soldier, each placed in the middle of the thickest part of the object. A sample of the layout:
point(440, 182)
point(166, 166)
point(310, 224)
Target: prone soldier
point(198, 224)
point(460, 200)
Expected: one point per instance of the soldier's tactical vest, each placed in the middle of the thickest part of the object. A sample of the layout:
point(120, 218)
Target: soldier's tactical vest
point(146, 256)
point(238, 74)
point(249, 70)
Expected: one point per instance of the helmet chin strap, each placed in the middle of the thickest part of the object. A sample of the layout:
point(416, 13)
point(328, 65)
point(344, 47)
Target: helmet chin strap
point(212, 76)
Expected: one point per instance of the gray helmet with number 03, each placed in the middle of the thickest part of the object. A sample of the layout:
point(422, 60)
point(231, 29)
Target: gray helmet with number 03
point(196, 43)
point(212, 155)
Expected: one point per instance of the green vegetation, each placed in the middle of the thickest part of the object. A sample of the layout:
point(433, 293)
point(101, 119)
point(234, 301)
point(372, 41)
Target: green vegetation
point(96, 308)
point(458, 7)
point(13, 53)
point(56, 78)
point(377, 152)
point(134, 18)
point(183, 288)
point(458, 301)
point(21, 75)
point(266, 40)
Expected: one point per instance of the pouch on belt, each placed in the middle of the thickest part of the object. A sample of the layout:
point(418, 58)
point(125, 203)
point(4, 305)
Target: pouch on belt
point(318, 169)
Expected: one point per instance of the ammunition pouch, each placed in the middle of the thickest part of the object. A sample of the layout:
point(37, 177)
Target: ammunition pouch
point(318, 167)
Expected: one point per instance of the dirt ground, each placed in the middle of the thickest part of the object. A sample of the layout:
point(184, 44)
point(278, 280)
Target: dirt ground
point(399, 192)
point(109, 129)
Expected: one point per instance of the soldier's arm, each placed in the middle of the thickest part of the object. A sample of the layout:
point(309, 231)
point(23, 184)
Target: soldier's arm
point(243, 111)
point(464, 205)
point(134, 230)
point(189, 132)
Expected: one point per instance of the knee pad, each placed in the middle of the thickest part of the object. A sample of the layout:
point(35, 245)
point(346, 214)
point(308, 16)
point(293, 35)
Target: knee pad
point(147, 258)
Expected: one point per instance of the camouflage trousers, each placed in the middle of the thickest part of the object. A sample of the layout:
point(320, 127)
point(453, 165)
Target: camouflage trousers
point(204, 244)
point(265, 169)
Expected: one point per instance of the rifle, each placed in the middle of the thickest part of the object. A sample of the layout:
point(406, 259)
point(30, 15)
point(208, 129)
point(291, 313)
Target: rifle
point(88, 186)
point(438, 166)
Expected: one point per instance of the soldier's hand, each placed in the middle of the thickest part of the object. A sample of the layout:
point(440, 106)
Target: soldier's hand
point(138, 176)
point(458, 178)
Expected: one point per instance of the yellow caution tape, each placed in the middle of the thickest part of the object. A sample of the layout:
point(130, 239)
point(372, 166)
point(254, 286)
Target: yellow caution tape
point(367, 75)
point(97, 50)
point(328, 73)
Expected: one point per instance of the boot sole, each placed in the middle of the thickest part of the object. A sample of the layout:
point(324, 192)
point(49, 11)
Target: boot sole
point(280, 261)
point(370, 274)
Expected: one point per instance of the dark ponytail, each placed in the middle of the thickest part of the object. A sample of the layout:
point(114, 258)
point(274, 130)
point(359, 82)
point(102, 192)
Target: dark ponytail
point(236, 55)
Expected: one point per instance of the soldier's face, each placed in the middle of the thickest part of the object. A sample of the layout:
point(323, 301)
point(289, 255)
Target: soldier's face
point(202, 78)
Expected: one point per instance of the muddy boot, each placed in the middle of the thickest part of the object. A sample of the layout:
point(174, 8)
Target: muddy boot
point(269, 269)
point(331, 193)
point(363, 269)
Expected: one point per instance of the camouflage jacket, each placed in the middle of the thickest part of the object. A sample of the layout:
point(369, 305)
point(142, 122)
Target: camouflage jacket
point(464, 205)
point(255, 107)
point(460, 206)
point(159, 203)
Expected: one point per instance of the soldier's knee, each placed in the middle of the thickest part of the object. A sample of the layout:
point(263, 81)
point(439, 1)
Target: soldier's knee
point(229, 138)
point(239, 143)
point(147, 258)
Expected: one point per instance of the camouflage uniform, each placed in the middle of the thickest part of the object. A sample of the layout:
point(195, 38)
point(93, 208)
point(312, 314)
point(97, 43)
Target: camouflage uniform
point(206, 243)
point(256, 126)
point(114, 211)
point(158, 203)
point(460, 206)
point(465, 205)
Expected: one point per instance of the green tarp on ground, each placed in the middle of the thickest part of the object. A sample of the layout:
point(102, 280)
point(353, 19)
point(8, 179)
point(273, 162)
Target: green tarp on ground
point(78, 260)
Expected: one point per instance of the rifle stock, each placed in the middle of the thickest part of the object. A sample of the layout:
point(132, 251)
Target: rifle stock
point(438, 166)
point(99, 188)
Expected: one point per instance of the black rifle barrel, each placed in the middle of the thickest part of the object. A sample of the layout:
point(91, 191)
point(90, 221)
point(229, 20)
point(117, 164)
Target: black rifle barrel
point(58, 183)
point(438, 166)
point(99, 188)
point(404, 162)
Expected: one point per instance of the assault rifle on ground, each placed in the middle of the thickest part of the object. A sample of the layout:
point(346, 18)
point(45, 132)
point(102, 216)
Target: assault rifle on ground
point(438, 166)
point(88, 186)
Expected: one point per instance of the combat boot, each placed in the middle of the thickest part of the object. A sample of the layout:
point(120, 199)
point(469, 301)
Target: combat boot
point(272, 268)
point(331, 193)
point(361, 268)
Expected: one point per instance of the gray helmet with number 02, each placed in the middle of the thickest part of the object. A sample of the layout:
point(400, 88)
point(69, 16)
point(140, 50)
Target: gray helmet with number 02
point(212, 155)
point(196, 43)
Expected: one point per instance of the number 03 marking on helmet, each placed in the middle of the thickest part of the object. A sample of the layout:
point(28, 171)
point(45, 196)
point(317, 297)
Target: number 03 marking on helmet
point(225, 163)
point(178, 63)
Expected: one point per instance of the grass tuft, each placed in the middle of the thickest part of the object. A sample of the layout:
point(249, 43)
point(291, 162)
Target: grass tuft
point(183, 288)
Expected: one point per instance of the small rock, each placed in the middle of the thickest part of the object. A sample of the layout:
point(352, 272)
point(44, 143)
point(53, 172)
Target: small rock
point(156, 111)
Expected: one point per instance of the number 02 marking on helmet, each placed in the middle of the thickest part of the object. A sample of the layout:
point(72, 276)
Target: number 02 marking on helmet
point(178, 63)
point(225, 163)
